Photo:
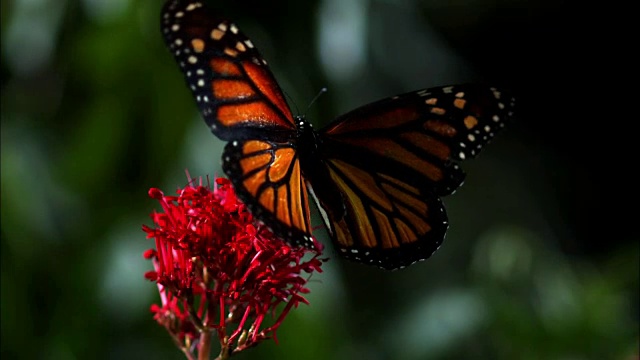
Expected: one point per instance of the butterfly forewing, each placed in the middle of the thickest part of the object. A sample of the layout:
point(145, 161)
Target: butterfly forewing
point(421, 134)
point(231, 82)
point(268, 177)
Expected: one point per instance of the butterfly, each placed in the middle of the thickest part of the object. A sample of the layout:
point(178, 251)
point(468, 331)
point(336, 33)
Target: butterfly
point(377, 173)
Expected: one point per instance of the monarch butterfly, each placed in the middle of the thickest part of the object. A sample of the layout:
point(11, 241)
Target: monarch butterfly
point(377, 173)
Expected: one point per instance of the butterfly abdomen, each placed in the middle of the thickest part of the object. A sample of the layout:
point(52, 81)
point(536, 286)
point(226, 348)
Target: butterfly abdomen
point(309, 147)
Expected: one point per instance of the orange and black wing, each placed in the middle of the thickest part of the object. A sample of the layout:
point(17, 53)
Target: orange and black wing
point(269, 175)
point(392, 160)
point(235, 91)
point(242, 103)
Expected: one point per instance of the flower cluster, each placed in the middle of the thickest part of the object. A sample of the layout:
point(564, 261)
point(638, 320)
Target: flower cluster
point(221, 273)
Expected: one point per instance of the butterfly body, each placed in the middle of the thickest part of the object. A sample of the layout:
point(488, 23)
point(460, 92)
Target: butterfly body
point(377, 172)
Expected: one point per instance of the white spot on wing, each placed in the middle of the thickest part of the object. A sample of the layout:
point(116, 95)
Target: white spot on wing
point(193, 6)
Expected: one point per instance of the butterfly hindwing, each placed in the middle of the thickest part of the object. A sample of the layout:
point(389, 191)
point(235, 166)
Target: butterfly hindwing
point(267, 176)
point(235, 91)
point(387, 222)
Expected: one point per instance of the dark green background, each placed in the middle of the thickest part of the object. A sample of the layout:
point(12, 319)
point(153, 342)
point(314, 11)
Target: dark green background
point(541, 261)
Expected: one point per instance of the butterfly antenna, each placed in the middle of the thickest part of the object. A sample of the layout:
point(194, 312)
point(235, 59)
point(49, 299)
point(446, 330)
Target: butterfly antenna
point(291, 102)
point(322, 91)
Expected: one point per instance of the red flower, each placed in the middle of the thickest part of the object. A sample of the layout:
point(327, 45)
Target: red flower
point(218, 271)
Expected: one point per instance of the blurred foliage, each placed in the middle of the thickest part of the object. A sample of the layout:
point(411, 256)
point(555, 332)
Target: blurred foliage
point(541, 261)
